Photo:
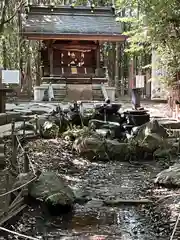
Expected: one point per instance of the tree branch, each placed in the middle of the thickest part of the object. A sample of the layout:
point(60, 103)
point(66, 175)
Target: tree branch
point(3, 15)
point(14, 14)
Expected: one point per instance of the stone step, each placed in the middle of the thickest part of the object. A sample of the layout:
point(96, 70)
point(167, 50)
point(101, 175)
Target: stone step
point(60, 94)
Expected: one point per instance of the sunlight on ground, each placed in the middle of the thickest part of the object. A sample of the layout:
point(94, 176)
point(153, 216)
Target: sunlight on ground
point(70, 178)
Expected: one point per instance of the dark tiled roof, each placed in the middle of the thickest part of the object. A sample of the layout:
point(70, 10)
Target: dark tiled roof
point(67, 20)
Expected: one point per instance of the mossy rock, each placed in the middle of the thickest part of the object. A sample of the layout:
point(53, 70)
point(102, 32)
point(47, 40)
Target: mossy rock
point(51, 188)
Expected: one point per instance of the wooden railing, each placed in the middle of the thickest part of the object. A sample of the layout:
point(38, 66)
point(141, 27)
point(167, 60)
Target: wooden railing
point(9, 206)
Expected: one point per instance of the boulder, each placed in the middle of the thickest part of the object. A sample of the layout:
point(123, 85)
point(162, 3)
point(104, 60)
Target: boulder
point(105, 133)
point(87, 114)
point(114, 127)
point(91, 148)
point(98, 124)
point(151, 136)
point(151, 142)
point(117, 150)
point(96, 148)
point(149, 128)
point(52, 189)
point(169, 177)
point(165, 153)
point(170, 124)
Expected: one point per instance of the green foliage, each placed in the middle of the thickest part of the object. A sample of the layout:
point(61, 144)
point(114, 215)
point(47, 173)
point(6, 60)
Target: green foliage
point(75, 132)
point(149, 23)
point(155, 24)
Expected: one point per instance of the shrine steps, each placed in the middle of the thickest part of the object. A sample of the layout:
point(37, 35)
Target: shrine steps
point(60, 93)
point(97, 93)
point(75, 92)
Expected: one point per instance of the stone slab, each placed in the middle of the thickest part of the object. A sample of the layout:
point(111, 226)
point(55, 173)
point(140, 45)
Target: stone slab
point(13, 115)
point(3, 118)
point(5, 130)
point(6, 118)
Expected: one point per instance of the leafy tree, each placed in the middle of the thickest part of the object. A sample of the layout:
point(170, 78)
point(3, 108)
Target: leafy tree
point(155, 24)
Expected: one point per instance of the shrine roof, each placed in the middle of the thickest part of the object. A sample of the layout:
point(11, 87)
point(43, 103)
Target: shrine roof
point(47, 22)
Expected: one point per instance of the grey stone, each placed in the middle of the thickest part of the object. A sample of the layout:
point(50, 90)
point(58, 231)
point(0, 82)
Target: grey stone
point(170, 176)
point(82, 195)
point(94, 203)
point(16, 116)
point(3, 118)
point(90, 147)
point(117, 150)
point(151, 136)
point(152, 127)
point(50, 187)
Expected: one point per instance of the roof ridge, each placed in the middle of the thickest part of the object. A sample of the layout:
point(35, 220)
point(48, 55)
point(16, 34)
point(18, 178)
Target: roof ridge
point(68, 9)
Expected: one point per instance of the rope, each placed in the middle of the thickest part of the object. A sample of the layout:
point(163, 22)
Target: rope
point(30, 162)
point(175, 227)
point(15, 189)
point(18, 234)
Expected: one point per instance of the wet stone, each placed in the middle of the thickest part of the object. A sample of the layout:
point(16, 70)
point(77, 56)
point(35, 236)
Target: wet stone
point(169, 177)
point(94, 203)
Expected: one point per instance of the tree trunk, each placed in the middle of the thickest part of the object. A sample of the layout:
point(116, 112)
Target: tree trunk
point(4, 54)
point(117, 68)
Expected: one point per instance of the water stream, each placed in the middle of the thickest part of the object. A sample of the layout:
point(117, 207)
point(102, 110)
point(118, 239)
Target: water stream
point(102, 181)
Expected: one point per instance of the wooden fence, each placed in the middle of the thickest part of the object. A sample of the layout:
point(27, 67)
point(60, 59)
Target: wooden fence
point(12, 197)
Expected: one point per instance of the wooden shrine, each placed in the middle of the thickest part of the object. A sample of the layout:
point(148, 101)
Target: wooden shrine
point(71, 39)
point(73, 61)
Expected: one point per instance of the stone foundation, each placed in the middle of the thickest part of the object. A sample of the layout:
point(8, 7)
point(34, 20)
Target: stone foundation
point(71, 92)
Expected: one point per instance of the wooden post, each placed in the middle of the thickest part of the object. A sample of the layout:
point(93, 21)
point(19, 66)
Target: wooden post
point(24, 126)
point(29, 71)
point(2, 101)
point(38, 68)
point(113, 63)
point(14, 146)
point(7, 197)
point(51, 58)
point(122, 66)
point(98, 56)
point(117, 68)
point(26, 162)
point(37, 126)
point(26, 170)
point(131, 76)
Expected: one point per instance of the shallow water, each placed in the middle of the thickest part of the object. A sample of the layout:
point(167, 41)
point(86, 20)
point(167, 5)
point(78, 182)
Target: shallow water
point(102, 181)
